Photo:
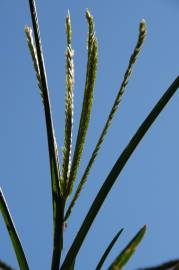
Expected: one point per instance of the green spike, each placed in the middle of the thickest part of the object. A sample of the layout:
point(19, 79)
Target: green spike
point(142, 34)
point(126, 254)
point(87, 105)
point(66, 163)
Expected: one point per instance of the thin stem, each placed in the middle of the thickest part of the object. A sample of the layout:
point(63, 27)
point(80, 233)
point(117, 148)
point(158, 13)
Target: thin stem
point(58, 203)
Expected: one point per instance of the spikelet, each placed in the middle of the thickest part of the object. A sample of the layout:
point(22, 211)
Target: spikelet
point(141, 37)
point(33, 52)
point(68, 107)
point(87, 101)
point(57, 200)
point(91, 32)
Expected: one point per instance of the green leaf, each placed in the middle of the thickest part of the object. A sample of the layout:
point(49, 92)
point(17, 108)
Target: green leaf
point(176, 267)
point(114, 173)
point(5, 266)
point(163, 266)
point(126, 254)
point(141, 37)
point(87, 101)
point(57, 200)
point(107, 251)
point(13, 233)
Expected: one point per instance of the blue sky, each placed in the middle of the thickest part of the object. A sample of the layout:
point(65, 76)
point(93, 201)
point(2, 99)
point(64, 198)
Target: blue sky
point(147, 190)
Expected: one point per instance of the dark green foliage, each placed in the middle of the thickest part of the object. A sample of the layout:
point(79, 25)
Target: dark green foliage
point(163, 266)
point(13, 234)
point(4, 266)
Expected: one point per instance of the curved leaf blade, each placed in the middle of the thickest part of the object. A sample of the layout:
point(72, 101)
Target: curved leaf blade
point(114, 173)
point(176, 267)
point(126, 254)
point(5, 266)
point(107, 251)
point(163, 266)
point(20, 255)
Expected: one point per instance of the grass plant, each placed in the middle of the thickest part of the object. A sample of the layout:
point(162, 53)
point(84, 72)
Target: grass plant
point(65, 173)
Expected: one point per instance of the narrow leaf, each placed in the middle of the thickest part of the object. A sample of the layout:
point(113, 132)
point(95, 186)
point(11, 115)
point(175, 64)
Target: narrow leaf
point(58, 203)
point(142, 34)
point(163, 266)
point(5, 266)
point(176, 267)
point(13, 233)
point(107, 251)
point(114, 173)
point(126, 254)
point(87, 101)
point(66, 164)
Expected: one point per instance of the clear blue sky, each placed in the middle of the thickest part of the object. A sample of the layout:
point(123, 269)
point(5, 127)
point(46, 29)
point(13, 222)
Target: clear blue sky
point(147, 190)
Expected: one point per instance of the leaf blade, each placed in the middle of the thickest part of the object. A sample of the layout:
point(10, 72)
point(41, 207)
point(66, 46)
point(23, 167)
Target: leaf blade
point(20, 255)
point(108, 249)
point(5, 266)
point(126, 254)
point(114, 173)
point(163, 266)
